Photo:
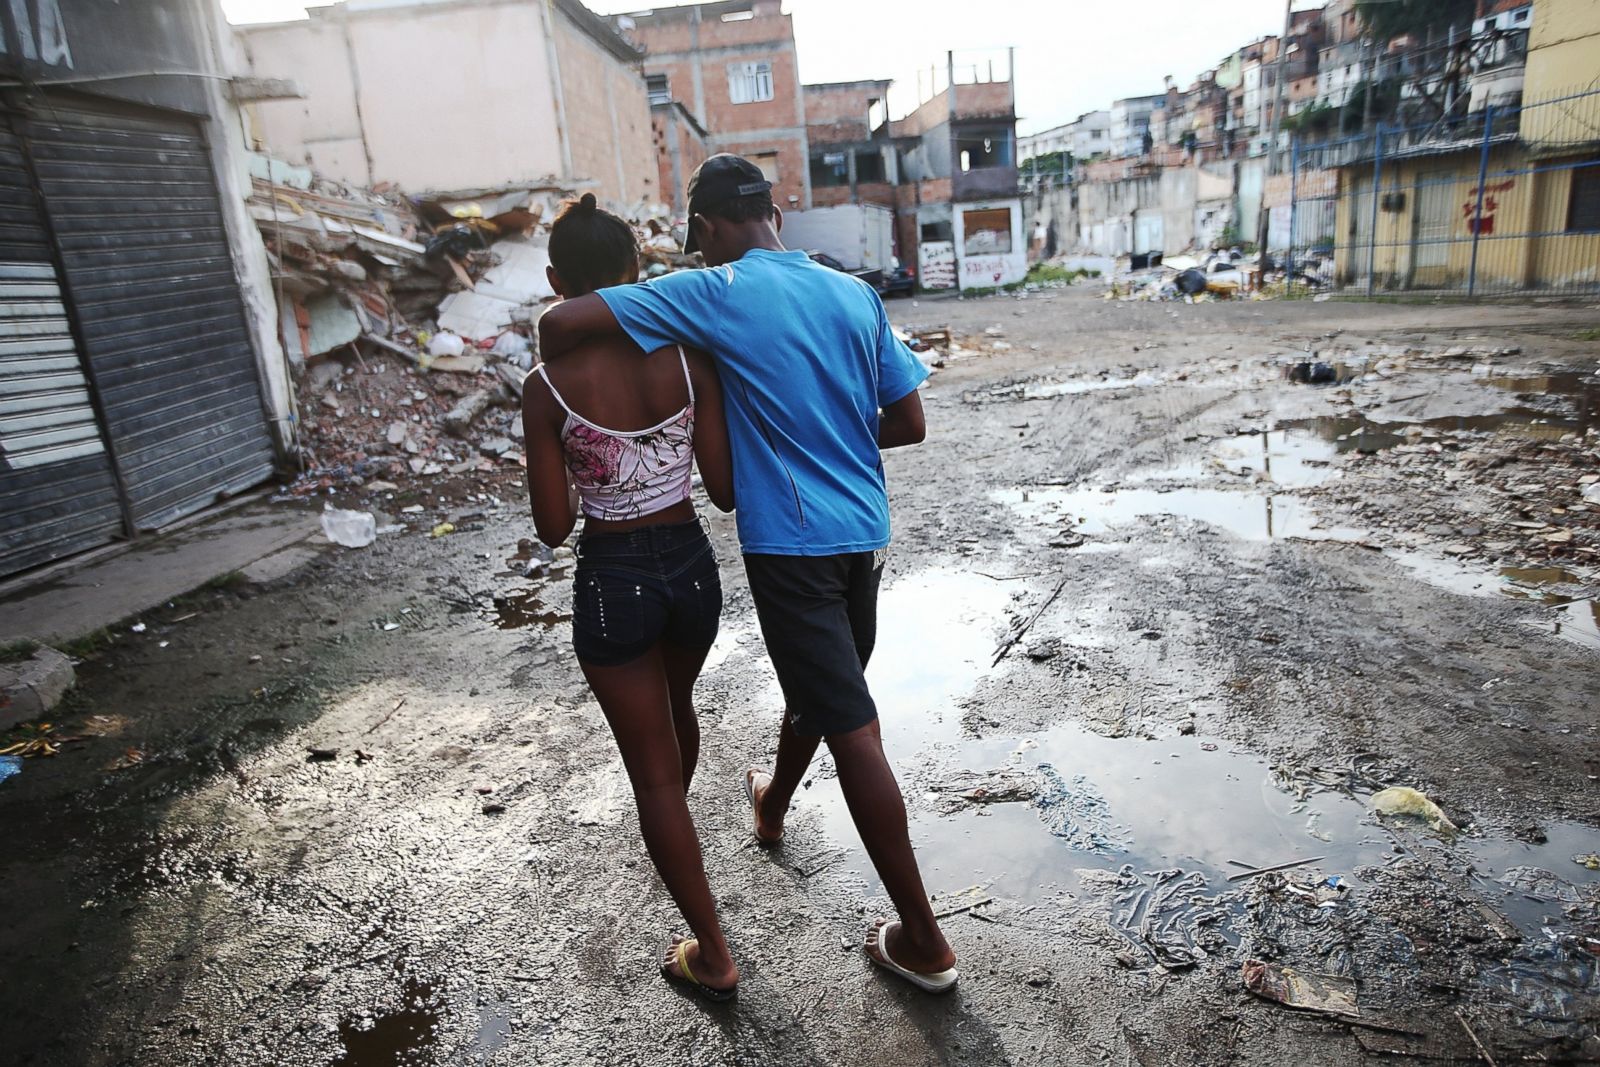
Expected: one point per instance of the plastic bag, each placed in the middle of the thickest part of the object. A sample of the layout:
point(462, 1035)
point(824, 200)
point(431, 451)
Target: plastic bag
point(1403, 800)
point(445, 344)
point(352, 529)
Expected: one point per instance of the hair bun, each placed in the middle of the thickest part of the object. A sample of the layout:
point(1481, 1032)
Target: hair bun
point(587, 203)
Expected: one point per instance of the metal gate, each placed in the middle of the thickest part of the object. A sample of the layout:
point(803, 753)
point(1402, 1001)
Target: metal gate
point(1432, 229)
point(134, 206)
point(142, 271)
point(57, 491)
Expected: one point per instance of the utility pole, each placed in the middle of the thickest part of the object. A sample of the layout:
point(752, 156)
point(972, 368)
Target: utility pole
point(1263, 215)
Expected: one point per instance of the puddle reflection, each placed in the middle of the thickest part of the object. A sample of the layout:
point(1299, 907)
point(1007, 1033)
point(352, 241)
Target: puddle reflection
point(1066, 799)
point(1251, 515)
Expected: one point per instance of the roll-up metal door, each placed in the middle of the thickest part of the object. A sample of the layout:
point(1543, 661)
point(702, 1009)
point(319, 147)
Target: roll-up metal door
point(58, 494)
point(133, 204)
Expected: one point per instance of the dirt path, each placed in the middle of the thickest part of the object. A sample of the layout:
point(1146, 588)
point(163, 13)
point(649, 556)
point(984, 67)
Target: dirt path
point(1222, 666)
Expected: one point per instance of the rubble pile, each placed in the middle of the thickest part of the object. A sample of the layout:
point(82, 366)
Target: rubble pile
point(1537, 465)
point(1545, 510)
point(1227, 274)
point(411, 322)
point(355, 265)
point(380, 423)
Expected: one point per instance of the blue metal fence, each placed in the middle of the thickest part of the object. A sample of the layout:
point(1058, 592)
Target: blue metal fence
point(1497, 202)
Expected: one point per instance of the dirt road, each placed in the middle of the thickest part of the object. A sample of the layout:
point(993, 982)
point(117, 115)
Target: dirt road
point(368, 815)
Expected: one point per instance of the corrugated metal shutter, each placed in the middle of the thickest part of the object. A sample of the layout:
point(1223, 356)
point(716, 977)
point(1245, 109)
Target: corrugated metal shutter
point(133, 202)
point(57, 493)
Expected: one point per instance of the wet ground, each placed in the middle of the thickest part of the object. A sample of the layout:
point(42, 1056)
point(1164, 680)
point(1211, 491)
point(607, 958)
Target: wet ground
point(1158, 615)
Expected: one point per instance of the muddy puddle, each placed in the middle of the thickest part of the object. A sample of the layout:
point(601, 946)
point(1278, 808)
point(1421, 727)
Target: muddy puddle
point(516, 610)
point(1254, 516)
point(401, 1037)
point(1576, 617)
point(1065, 812)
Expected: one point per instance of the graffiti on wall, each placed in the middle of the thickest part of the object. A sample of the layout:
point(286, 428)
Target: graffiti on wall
point(1483, 225)
point(983, 270)
point(35, 30)
point(936, 264)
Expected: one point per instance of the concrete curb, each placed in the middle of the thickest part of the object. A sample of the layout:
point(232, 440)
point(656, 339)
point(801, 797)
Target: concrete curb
point(32, 687)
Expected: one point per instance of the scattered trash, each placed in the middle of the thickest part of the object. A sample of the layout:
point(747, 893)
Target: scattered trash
point(1170, 914)
point(137, 628)
point(1403, 800)
point(1323, 993)
point(1591, 861)
point(445, 344)
point(352, 529)
point(38, 741)
point(1251, 872)
point(443, 529)
point(10, 766)
point(321, 755)
point(131, 757)
point(1076, 811)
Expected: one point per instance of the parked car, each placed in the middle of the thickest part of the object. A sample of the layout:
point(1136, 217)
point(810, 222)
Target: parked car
point(899, 280)
point(871, 275)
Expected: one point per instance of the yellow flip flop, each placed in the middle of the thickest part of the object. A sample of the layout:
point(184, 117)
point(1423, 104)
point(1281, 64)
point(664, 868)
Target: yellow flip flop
point(687, 979)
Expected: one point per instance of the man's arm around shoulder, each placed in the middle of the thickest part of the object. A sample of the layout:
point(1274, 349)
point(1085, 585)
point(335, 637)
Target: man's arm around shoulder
point(572, 322)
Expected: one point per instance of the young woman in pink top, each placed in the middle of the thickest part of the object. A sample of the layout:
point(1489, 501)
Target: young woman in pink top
point(614, 432)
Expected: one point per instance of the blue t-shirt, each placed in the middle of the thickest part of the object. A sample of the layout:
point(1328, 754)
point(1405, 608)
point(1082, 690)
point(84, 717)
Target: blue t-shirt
point(807, 359)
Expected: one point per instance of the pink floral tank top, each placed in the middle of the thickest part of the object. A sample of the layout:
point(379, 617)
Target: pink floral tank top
point(628, 474)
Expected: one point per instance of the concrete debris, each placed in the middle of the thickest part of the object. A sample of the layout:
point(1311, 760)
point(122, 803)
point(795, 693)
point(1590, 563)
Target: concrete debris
point(31, 687)
point(459, 419)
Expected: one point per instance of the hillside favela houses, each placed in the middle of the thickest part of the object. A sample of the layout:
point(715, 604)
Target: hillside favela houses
point(937, 187)
point(1371, 148)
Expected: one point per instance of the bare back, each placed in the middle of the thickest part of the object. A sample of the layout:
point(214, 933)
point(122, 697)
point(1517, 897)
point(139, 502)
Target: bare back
point(610, 383)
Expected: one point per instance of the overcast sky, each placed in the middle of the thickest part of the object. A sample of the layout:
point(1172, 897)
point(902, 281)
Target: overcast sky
point(1072, 55)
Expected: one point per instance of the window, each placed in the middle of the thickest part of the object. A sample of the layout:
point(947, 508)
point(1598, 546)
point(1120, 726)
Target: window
point(986, 231)
point(984, 148)
point(750, 83)
point(1583, 209)
point(768, 164)
point(869, 167)
point(655, 85)
point(829, 169)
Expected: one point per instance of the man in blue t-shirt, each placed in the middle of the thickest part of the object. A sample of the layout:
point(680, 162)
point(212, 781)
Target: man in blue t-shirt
point(815, 385)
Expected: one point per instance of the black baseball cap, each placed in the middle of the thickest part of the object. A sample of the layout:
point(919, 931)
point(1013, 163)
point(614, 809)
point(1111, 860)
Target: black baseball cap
point(721, 177)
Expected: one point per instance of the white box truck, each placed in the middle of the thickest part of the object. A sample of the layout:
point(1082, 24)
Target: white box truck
point(860, 237)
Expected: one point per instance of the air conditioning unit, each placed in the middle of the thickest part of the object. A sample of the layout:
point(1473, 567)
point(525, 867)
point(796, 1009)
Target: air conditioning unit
point(1393, 202)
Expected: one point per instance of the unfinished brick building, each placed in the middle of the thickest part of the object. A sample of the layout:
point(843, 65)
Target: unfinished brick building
point(733, 67)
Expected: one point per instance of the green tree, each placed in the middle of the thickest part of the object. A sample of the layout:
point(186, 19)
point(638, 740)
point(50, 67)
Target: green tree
point(1387, 19)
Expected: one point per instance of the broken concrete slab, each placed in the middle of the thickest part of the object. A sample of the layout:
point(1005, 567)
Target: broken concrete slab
point(459, 419)
point(31, 687)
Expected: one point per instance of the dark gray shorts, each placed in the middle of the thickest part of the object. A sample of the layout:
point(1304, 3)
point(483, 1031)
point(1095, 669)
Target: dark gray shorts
point(819, 618)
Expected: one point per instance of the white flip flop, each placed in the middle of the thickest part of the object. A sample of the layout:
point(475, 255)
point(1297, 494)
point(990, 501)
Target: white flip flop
point(937, 982)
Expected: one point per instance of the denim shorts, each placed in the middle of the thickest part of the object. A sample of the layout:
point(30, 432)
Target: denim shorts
point(634, 589)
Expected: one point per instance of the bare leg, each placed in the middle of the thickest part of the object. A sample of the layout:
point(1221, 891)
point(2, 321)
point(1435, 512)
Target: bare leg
point(635, 699)
point(772, 799)
point(879, 811)
point(683, 670)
